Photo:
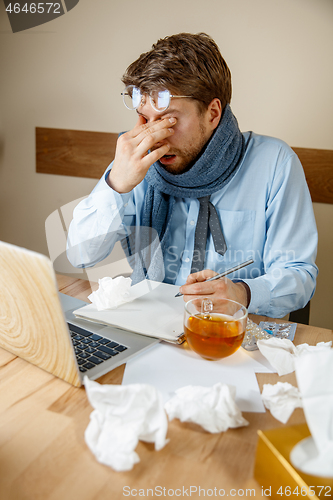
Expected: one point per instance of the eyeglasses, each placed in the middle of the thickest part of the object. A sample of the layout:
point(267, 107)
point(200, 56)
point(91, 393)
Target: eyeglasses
point(159, 99)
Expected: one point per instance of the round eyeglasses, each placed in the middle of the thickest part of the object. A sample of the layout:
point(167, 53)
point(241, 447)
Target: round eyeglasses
point(159, 99)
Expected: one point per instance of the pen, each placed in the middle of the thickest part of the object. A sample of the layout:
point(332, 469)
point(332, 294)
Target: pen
point(228, 271)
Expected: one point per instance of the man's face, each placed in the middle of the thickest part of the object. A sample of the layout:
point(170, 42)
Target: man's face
point(191, 132)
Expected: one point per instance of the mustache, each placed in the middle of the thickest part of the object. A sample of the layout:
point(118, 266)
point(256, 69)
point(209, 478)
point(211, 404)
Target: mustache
point(173, 151)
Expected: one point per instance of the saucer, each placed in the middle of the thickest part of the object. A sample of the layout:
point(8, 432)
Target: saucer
point(303, 456)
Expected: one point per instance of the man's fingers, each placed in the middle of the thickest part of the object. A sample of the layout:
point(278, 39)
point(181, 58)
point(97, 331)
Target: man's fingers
point(143, 129)
point(155, 155)
point(151, 140)
point(199, 288)
point(139, 145)
point(132, 150)
point(204, 287)
point(200, 276)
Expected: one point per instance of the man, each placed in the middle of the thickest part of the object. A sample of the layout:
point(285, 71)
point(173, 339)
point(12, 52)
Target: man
point(214, 196)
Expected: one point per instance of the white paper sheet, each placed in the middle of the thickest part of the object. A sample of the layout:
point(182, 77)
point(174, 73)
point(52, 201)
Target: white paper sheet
point(264, 365)
point(153, 311)
point(169, 367)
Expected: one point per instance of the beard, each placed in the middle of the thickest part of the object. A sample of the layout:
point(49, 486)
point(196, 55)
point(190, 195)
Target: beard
point(187, 156)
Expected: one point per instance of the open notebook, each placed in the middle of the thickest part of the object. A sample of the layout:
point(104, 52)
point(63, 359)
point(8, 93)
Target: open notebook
point(154, 311)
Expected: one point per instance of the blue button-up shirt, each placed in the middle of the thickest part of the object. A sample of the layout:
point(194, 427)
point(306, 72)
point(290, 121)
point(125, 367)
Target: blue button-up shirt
point(265, 212)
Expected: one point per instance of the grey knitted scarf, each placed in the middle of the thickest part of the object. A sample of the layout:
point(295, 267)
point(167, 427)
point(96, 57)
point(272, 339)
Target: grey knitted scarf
point(213, 169)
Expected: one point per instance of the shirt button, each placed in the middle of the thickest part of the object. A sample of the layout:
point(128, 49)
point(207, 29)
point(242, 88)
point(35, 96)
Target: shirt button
point(192, 222)
point(125, 204)
point(114, 206)
point(187, 259)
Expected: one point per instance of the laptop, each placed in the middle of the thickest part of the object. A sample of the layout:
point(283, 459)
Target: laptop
point(37, 322)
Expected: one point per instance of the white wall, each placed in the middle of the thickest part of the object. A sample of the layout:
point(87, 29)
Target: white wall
point(66, 74)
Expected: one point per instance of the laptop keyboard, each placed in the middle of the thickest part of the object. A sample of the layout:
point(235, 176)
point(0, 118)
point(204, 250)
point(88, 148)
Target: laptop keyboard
point(92, 349)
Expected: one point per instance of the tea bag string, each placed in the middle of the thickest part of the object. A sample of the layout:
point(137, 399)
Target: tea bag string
point(207, 217)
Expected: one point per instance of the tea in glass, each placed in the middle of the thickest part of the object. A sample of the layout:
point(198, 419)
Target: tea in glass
point(214, 335)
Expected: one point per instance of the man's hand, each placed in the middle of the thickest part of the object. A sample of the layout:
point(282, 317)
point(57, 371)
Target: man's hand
point(132, 160)
point(223, 288)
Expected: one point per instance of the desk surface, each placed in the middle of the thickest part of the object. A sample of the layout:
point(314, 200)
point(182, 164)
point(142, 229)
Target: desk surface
point(43, 454)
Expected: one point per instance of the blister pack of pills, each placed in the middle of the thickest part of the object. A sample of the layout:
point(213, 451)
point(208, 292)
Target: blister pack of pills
point(266, 330)
point(279, 330)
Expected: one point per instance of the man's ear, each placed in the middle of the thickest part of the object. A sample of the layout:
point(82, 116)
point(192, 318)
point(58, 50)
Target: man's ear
point(214, 113)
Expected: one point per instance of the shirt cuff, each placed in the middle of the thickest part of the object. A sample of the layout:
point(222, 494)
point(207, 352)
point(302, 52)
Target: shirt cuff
point(248, 291)
point(107, 199)
point(260, 295)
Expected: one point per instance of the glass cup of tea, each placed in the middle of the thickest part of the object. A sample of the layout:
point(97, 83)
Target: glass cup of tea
point(214, 335)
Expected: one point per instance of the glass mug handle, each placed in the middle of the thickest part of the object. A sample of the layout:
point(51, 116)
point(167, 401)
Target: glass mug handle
point(206, 307)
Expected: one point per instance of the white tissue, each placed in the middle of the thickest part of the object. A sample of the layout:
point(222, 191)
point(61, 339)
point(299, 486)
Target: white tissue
point(314, 373)
point(281, 353)
point(281, 399)
point(112, 292)
point(122, 416)
point(213, 408)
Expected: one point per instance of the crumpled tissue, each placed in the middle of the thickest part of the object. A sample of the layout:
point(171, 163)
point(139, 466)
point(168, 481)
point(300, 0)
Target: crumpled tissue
point(281, 399)
point(314, 374)
point(112, 292)
point(213, 408)
point(281, 353)
point(123, 415)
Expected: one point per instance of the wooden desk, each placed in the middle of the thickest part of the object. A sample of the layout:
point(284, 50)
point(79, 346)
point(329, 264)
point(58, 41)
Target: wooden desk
point(43, 455)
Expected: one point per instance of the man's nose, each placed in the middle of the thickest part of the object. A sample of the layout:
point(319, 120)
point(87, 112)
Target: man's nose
point(151, 115)
point(161, 143)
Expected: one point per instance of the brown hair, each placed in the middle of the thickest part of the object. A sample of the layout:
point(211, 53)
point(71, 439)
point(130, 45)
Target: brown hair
point(185, 64)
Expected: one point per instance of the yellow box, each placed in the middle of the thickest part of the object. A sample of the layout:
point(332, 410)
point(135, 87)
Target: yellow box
point(275, 473)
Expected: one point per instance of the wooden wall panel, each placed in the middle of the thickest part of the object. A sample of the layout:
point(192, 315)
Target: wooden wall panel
point(74, 152)
point(318, 168)
point(87, 154)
